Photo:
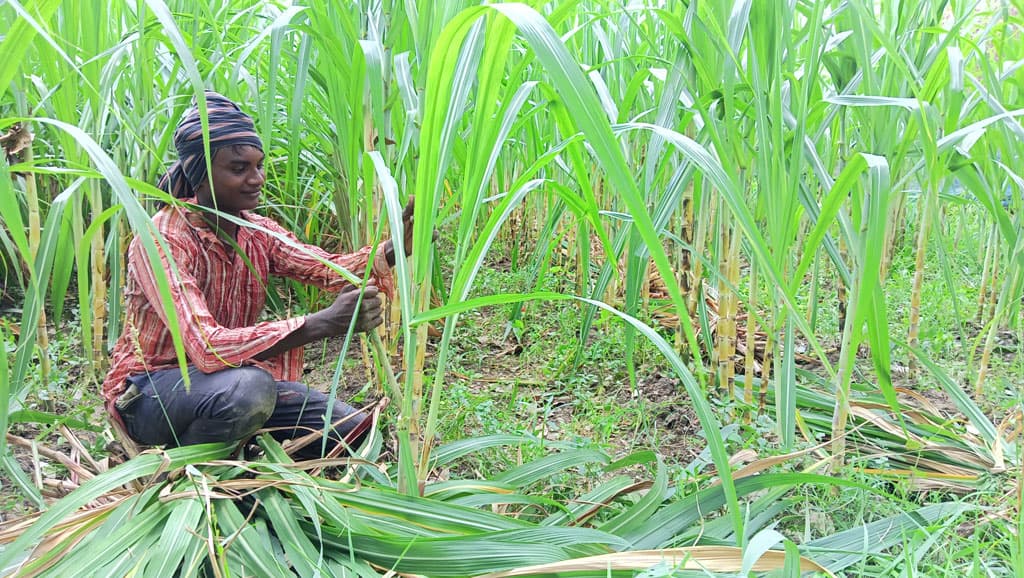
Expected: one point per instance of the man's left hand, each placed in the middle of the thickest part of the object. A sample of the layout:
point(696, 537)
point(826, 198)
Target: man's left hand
point(389, 248)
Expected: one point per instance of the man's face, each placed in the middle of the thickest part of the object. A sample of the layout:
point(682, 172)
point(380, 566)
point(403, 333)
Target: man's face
point(237, 180)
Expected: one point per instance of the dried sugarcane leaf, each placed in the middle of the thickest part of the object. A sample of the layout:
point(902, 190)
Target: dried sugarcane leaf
point(705, 558)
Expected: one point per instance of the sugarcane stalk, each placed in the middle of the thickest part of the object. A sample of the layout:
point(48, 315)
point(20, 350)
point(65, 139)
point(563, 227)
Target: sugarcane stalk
point(369, 138)
point(98, 358)
point(394, 324)
point(1020, 494)
point(408, 429)
point(993, 286)
point(421, 350)
point(840, 288)
point(725, 335)
point(681, 276)
point(687, 278)
point(998, 313)
point(748, 359)
point(405, 428)
point(986, 275)
point(734, 281)
point(645, 286)
point(986, 355)
point(369, 364)
point(583, 257)
point(34, 239)
point(841, 296)
point(384, 359)
point(719, 355)
point(812, 309)
point(918, 283)
point(681, 257)
point(766, 372)
point(435, 397)
point(893, 233)
point(842, 405)
point(701, 237)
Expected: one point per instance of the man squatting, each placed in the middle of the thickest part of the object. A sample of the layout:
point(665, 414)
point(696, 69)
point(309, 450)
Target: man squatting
point(243, 372)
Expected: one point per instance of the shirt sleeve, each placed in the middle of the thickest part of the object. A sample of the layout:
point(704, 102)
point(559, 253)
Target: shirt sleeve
point(208, 345)
point(302, 262)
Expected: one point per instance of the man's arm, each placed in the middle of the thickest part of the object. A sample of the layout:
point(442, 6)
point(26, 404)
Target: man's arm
point(209, 345)
point(305, 264)
point(333, 320)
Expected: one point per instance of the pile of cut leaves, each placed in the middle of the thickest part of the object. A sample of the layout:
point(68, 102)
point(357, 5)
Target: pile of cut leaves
point(195, 511)
point(928, 448)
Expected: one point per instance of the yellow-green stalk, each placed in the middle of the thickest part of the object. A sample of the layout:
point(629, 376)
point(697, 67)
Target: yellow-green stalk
point(98, 265)
point(919, 261)
point(987, 273)
point(725, 334)
point(34, 233)
point(749, 357)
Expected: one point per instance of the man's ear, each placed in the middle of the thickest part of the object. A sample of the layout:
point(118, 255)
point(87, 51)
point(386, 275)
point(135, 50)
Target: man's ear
point(204, 187)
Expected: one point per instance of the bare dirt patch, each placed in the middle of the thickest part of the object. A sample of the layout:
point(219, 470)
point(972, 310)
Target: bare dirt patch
point(675, 423)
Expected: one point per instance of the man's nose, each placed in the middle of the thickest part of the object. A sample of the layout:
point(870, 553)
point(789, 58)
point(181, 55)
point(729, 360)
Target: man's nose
point(257, 177)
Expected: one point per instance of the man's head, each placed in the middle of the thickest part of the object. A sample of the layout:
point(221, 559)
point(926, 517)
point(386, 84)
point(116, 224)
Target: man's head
point(236, 158)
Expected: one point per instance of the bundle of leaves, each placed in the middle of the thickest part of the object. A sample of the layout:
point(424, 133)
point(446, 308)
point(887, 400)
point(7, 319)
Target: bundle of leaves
point(192, 511)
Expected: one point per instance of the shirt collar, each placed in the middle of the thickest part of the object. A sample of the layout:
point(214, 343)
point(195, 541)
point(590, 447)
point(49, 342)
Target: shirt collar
point(196, 219)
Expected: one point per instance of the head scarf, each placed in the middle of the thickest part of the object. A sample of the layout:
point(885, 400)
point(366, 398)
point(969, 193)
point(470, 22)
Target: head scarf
point(228, 126)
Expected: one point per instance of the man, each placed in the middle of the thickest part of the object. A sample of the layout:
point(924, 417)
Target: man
point(243, 373)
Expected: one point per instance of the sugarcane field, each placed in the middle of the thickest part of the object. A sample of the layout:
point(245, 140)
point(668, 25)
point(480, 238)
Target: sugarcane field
point(450, 288)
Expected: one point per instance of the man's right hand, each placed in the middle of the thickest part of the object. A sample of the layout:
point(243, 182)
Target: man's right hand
point(338, 315)
point(333, 320)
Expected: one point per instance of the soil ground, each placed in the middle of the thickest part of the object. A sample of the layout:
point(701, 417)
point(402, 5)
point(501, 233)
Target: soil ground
point(489, 367)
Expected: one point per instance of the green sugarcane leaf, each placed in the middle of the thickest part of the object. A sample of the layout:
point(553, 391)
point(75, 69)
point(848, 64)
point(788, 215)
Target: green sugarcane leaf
point(454, 450)
point(963, 402)
point(638, 513)
point(477, 554)
point(419, 516)
point(19, 38)
point(848, 547)
point(142, 466)
point(134, 523)
point(249, 551)
point(671, 520)
point(759, 544)
point(548, 465)
point(305, 558)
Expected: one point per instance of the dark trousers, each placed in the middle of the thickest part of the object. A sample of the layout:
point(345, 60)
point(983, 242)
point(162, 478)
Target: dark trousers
point(231, 405)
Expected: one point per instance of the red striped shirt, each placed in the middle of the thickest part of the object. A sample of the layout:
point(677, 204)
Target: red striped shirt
point(218, 297)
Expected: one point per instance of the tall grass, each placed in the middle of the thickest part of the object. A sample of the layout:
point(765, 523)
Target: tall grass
point(772, 152)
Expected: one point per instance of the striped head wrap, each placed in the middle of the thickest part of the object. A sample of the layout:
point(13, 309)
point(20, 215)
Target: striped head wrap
point(228, 126)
